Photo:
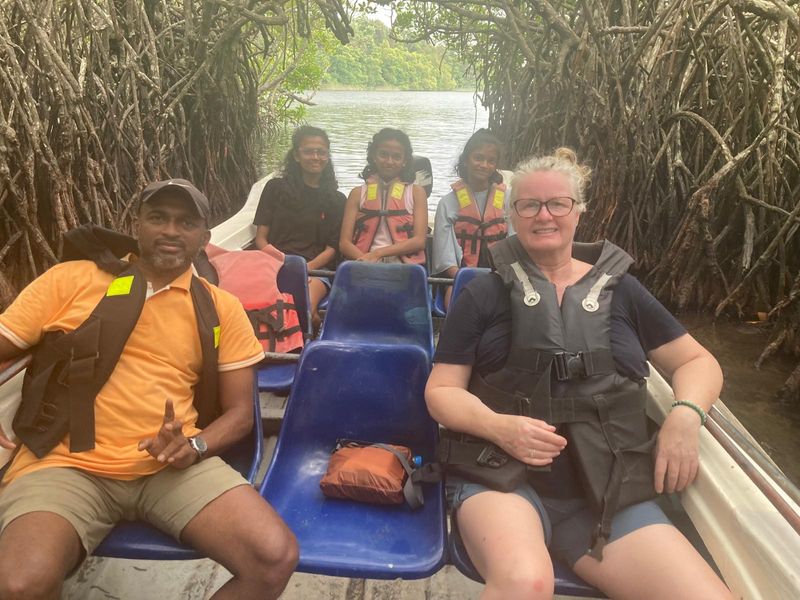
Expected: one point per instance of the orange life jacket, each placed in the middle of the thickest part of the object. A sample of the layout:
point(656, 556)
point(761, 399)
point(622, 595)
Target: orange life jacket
point(252, 276)
point(399, 220)
point(475, 232)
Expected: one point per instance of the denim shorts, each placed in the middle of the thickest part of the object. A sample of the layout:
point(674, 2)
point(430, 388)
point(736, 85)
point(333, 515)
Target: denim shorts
point(567, 522)
point(326, 281)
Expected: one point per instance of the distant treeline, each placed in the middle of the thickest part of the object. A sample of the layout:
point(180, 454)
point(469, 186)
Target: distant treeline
point(373, 60)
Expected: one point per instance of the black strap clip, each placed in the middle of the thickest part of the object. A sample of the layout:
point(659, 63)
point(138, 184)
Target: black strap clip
point(491, 456)
point(569, 365)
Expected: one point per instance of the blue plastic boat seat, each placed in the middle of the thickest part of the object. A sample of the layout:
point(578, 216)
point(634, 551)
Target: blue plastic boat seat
point(142, 541)
point(380, 303)
point(567, 583)
point(463, 276)
point(371, 393)
point(292, 279)
point(437, 307)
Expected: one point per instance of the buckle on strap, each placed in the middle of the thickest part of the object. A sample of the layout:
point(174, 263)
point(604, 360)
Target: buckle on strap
point(569, 365)
point(491, 457)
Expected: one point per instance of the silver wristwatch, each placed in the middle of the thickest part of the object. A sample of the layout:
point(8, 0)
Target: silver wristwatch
point(199, 445)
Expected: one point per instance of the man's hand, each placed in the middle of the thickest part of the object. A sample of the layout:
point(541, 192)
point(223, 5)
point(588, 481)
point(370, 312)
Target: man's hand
point(170, 445)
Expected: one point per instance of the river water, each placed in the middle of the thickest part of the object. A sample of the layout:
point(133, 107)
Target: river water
point(439, 123)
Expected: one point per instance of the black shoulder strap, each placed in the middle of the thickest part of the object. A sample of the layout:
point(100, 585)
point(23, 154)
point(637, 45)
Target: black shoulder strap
point(207, 389)
point(104, 247)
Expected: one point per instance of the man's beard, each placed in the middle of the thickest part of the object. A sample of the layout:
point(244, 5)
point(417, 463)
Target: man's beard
point(167, 262)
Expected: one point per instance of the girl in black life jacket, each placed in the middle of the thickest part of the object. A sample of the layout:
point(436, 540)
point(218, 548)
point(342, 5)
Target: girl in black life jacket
point(300, 212)
point(386, 218)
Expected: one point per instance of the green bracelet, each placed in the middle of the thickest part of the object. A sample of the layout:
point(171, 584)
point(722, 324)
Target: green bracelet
point(700, 412)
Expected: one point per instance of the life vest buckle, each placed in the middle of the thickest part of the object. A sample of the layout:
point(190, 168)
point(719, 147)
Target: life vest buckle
point(491, 456)
point(569, 365)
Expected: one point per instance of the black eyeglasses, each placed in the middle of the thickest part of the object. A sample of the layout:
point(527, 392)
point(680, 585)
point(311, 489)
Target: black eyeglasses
point(557, 207)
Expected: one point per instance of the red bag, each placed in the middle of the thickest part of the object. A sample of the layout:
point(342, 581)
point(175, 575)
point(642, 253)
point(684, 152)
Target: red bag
point(374, 473)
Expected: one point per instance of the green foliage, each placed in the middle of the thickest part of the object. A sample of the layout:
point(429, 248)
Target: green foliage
point(374, 60)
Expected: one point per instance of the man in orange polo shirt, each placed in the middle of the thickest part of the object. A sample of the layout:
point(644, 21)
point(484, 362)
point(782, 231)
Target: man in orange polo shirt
point(149, 461)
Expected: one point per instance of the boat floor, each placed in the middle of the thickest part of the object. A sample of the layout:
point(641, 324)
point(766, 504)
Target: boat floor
point(112, 579)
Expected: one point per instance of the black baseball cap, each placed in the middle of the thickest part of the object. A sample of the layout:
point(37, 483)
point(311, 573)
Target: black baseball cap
point(183, 186)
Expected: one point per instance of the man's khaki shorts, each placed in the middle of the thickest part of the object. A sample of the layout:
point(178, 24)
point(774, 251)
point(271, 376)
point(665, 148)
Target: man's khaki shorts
point(168, 499)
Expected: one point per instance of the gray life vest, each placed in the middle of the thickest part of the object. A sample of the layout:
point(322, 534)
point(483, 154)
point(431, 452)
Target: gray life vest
point(560, 369)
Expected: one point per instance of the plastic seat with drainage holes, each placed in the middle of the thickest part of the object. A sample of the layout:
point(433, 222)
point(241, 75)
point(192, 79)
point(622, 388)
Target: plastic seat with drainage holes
point(370, 392)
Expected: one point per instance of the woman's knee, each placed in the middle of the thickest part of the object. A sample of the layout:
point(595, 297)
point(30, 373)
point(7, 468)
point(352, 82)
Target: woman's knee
point(521, 582)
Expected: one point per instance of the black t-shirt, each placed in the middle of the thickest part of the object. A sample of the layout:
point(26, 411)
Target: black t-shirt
point(301, 223)
point(477, 332)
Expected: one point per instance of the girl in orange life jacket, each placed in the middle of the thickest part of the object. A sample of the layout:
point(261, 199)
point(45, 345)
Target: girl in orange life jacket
point(300, 212)
point(471, 217)
point(386, 218)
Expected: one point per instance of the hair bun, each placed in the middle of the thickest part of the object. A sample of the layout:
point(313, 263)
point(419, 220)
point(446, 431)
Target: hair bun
point(566, 154)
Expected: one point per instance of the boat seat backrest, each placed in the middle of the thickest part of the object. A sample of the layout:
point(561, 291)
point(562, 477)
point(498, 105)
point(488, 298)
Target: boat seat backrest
point(293, 279)
point(380, 303)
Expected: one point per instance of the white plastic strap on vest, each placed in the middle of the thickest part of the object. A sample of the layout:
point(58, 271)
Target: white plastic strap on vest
point(590, 303)
point(531, 297)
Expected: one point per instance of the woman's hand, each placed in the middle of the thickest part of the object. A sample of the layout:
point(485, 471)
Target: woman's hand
point(372, 257)
point(696, 376)
point(530, 441)
point(677, 450)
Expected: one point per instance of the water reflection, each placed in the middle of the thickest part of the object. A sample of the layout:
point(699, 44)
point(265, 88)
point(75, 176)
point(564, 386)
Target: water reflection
point(748, 392)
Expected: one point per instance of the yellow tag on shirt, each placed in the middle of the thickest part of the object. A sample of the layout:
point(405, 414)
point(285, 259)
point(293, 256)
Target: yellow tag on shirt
point(397, 190)
point(499, 199)
point(463, 197)
point(216, 336)
point(372, 191)
point(121, 286)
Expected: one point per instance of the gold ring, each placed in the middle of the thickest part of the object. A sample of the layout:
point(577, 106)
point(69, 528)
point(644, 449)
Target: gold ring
point(533, 453)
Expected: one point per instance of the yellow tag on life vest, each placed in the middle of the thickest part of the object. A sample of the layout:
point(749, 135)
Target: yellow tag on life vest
point(499, 199)
point(463, 197)
point(121, 286)
point(372, 191)
point(397, 190)
point(216, 336)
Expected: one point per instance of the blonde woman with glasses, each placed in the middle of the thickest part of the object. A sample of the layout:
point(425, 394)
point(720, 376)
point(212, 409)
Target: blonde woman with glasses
point(539, 380)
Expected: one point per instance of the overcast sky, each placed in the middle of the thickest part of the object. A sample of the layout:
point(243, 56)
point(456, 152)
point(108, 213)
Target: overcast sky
point(384, 14)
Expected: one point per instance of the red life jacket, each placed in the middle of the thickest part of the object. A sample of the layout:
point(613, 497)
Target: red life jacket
point(475, 232)
point(252, 276)
point(399, 220)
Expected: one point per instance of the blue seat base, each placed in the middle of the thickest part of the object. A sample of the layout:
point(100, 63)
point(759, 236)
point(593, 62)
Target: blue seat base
point(131, 539)
point(276, 378)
